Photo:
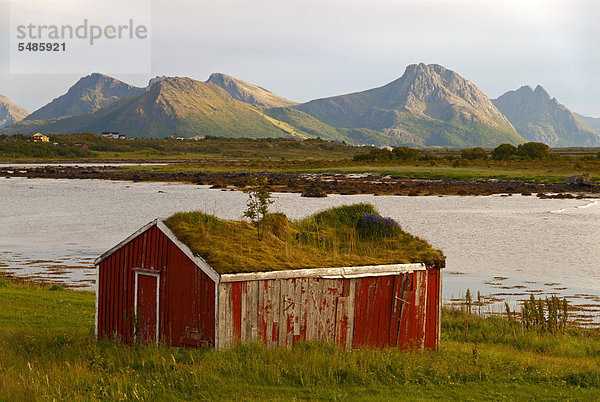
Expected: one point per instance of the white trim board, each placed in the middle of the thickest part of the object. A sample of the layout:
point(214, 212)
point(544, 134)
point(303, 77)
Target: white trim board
point(326, 273)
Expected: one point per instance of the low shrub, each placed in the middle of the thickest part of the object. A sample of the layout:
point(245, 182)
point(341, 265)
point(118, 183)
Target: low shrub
point(474, 154)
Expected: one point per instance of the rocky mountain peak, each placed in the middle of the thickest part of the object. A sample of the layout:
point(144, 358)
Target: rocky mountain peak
point(216, 78)
point(539, 117)
point(87, 95)
point(541, 92)
point(436, 92)
point(155, 80)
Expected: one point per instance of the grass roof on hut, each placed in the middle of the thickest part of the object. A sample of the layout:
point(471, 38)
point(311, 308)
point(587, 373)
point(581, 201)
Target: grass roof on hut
point(351, 235)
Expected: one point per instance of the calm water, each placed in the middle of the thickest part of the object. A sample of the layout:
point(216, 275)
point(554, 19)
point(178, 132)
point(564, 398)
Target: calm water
point(506, 247)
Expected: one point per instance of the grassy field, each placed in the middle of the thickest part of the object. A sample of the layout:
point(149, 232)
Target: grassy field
point(287, 156)
point(551, 171)
point(99, 148)
point(47, 351)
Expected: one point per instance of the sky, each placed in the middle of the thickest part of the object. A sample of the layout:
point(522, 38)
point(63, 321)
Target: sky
point(308, 49)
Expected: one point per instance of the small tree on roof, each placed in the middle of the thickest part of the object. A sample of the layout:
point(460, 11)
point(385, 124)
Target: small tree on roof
point(259, 199)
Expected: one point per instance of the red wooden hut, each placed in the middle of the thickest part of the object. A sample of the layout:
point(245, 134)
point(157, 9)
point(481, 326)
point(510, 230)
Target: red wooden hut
point(152, 288)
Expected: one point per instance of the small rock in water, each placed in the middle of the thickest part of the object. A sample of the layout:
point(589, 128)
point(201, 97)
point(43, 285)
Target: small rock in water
point(579, 180)
point(315, 192)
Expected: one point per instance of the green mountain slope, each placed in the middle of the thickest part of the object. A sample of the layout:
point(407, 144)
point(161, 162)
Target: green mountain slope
point(173, 105)
point(542, 119)
point(428, 106)
point(315, 128)
point(249, 93)
point(10, 112)
point(88, 95)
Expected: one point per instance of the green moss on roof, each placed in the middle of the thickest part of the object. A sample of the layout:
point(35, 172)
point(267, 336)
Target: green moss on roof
point(353, 235)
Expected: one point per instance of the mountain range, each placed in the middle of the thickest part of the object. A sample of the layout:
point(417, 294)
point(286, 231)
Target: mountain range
point(428, 105)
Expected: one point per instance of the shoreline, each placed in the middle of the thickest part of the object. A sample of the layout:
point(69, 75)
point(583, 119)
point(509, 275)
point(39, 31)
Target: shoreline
point(317, 184)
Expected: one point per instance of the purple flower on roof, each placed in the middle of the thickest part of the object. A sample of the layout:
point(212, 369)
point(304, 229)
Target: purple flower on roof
point(375, 226)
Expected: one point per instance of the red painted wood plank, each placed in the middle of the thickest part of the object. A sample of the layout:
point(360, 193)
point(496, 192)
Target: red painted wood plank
point(385, 312)
point(360, 311)
point(112, 295)
point(379, 319)
point(407, 313)
point(119, 293)
point(395, 310)
point(358, 316)
point(374, 308)
point(303, 318)
point(236, 309)
point(433, 277)
point(345, 288)
point(101, 297)
point(290, 306)
point(422, 310)
point(412, 324)
point(341, 324)
point(263, 287)
point(275, 332)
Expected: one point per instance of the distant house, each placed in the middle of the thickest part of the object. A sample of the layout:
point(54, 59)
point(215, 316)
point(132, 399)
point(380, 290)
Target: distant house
point(82, 145)
point(39, 137)
point(388, 148)
point(115, 135)
point(178, 137)
point(197, 138)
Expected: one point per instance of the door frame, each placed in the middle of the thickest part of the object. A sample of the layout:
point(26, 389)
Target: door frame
point(155, 274)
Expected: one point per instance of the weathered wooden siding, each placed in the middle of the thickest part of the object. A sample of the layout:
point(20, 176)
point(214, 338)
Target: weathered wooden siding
point(434, 305)
point(374, 311)
point(186, 297)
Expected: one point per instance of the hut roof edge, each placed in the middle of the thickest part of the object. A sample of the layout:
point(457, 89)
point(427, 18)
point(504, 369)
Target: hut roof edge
point(159, 223)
